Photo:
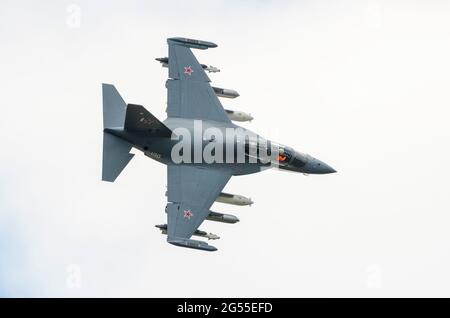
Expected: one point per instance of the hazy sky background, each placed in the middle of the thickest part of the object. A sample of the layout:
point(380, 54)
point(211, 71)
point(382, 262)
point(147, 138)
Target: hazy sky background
point(361, 85)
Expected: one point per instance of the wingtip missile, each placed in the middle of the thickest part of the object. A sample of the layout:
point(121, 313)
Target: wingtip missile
point(199, 245)
point(192, 43)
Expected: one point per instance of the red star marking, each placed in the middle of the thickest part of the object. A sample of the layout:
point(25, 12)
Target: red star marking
point(188, 70)
point(188, 214)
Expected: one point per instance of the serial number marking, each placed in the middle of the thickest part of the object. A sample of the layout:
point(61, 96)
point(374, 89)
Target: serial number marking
point(155, 155)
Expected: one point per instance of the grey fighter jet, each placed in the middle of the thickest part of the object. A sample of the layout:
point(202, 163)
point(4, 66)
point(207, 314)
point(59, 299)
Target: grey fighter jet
point(194, 142)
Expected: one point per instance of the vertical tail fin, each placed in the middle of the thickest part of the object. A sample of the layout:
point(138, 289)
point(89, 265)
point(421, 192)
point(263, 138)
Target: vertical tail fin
point(115, 150)
point(140, 120)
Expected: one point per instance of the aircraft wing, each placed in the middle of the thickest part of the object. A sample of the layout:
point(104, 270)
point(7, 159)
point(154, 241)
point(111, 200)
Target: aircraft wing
point(189, 93)
point(190, 193)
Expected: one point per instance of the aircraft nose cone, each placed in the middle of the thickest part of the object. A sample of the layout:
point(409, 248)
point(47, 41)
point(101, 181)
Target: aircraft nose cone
point(316, 166)
point(324, 168)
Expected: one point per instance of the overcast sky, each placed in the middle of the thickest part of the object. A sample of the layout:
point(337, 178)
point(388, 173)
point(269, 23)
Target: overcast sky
point(361, 85)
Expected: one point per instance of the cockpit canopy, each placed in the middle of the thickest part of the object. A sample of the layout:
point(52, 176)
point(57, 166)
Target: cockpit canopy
point(277, 153)
point(285, 154)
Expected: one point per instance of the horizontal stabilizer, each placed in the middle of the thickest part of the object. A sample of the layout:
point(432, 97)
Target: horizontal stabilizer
point(138, 119)
point(116, 156)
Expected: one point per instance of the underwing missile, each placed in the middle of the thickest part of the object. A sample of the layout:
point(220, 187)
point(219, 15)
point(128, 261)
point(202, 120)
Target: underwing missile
point(220, 217)
point(165, 63)
point(235, 199)
point(225, 92)
point(238, 115)
point(200, 233)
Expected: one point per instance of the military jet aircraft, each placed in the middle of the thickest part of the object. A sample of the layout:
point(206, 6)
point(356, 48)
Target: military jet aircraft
point(191, 142)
